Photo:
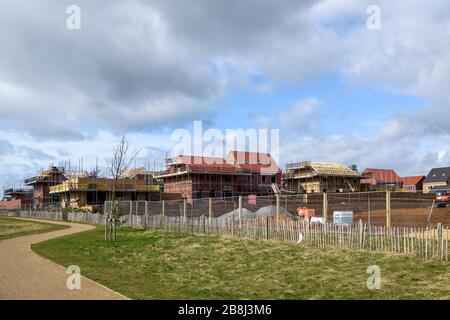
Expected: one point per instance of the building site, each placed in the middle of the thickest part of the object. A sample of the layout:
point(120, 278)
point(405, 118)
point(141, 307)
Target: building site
point(241, 173)
point(218, 186)
point(316, 177)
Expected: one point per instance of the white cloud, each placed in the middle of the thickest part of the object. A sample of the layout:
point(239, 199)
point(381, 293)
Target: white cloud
point(303, 117)
point(407, 155)
point(263, 121)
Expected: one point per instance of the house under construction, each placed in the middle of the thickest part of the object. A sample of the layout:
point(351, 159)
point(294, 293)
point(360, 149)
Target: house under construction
point(316, 177)
point(16, 199)
point(89, 192)
point(241, 173)
point(41, 184)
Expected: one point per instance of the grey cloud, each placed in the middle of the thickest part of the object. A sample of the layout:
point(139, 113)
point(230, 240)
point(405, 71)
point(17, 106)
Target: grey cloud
point(225, 27)
point(139, 65)
point(120, 63)
point(7, 149)
point(430, 121)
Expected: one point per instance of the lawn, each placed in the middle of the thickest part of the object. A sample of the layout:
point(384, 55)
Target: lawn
point(11, 227)
point(162, 265)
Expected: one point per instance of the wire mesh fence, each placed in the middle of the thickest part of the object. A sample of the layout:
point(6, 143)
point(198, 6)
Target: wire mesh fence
point(373, 208)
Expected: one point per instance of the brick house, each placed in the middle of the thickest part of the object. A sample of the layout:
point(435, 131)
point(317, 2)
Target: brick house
point(380, 180)
point(241, 173)
point(15, 199)
point(438, 177)
point(413, 183)
point(41, 184)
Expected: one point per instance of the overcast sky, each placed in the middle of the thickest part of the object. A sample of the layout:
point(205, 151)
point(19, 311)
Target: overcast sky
point(337, 90)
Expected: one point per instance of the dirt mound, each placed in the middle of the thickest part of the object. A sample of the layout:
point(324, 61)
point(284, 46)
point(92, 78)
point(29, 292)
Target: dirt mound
point(271, 211)
point(246, 214)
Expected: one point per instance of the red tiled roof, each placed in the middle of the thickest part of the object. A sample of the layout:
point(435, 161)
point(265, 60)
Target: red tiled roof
point(382, 175)
point(198, 160)
point(255, 161)
point(235, 162)
point(414, 180)
point(243, 157)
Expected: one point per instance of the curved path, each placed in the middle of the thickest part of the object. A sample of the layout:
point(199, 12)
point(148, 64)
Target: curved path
point(26, 275)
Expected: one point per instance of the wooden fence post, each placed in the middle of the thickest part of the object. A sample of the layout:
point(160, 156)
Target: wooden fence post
point(388, 209)
point(360, 234)
point(440, 242)
point(163, 208)
point(210, 208)
point(145, 215)
point(325, 208)
point(131, 214)
point(277, 196)
point(184, 208)
point(240, 212)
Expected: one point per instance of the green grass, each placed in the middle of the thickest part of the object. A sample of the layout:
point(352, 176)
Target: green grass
point(162, 265)
point(11, 227)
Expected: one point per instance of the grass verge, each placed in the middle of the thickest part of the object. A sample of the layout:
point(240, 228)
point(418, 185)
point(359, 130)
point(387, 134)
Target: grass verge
point(11, 227)
point(162, 265)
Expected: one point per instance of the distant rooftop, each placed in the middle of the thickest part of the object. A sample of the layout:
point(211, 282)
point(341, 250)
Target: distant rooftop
point(413, 180)
point(375, 176)
point(438, 175)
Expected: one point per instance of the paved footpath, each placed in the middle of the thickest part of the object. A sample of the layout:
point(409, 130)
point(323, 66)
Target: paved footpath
point(26, 275)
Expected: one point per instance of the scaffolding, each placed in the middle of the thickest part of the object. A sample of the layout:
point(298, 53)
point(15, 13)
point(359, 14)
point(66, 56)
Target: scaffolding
point(203, 177)
point(316, 177)
point(41, 184)
point(15, 198)
point(90, 192)
point(63, 186)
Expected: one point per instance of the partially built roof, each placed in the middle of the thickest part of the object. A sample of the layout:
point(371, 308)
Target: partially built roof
point(46, 175)
point(326, 169)
point(135, 172)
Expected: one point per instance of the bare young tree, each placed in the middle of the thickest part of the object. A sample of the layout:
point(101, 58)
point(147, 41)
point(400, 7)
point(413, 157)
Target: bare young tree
point(117, 167)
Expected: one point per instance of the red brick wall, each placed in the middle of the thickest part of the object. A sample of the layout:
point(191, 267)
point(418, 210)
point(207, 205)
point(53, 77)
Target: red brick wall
point(201, 185)
point(14, 204)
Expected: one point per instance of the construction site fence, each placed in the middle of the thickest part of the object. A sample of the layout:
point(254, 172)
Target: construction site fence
point(56, 215)
point(46, 207)
point(380, 208)
point(429, 242)
point(423, 242)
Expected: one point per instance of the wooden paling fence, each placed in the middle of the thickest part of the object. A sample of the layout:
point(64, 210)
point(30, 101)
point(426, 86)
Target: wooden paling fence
point(429, 242)
point(424, 242)
point(45, 215)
